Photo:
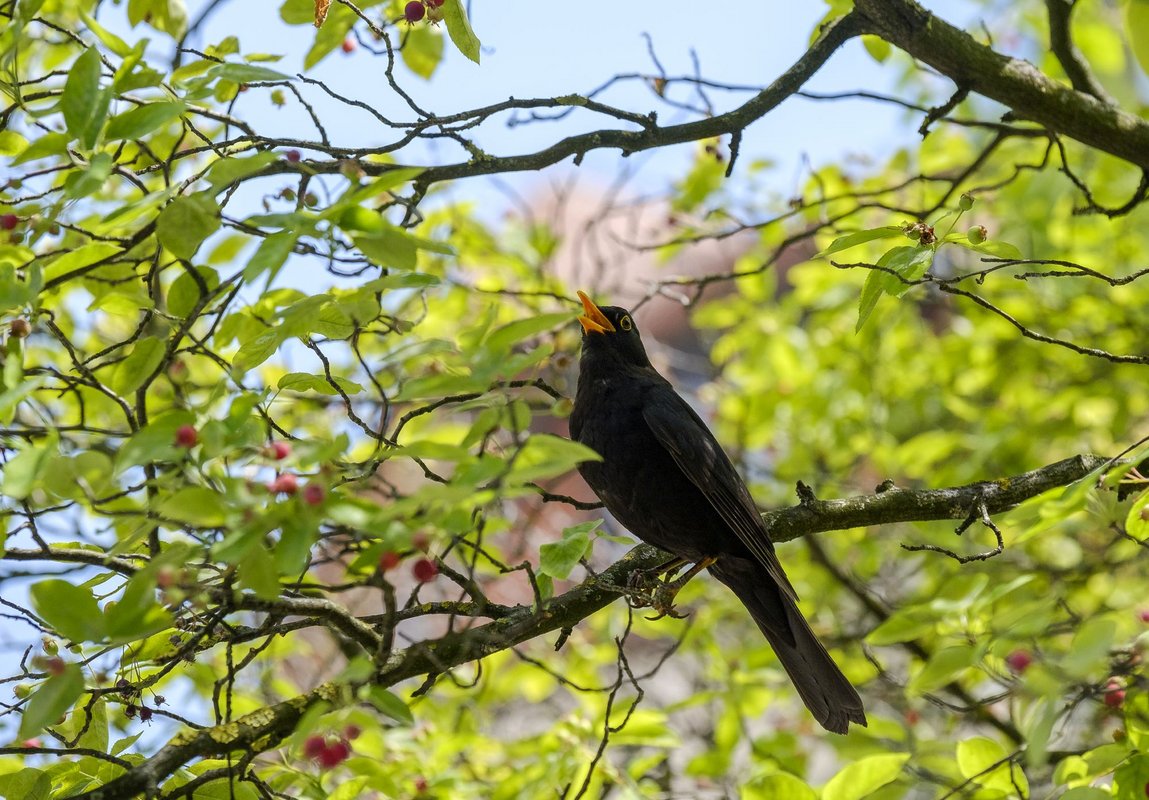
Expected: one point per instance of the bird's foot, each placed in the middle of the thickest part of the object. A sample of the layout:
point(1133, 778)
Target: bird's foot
point(662, 597)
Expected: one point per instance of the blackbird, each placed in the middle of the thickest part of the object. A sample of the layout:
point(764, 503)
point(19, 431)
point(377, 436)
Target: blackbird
point(667, 480)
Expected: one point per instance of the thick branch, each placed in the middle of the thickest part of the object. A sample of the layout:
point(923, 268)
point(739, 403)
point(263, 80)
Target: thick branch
point(628, 141)
point(921, 505)
point(1062, 46)
point(264, 729)
point(1016, 83)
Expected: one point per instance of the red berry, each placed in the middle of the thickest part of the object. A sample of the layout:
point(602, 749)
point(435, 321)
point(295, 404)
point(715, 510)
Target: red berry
point(279, 450)
point(293, 156)
point(31, 744)
point(314, 494)
point(334, 754)
point(285, 484)
point(388, 560)
point(349, 45)
point(421, 542)
point(1144, 615)
point(19, 328)
point(145, 714)
point(1019, 661)
point(352, 732)
point(1114, 696)
point(414, 11)
point(313, 746)
point(913, 717)
point(186, 436)
point(55, 666)
point(421, 784)
point(9, 222)
point(424, 570)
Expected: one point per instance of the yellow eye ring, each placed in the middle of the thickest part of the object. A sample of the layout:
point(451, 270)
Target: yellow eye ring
point(625, 323)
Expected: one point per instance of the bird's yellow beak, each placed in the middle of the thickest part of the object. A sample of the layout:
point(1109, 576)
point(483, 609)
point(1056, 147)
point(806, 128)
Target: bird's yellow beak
point(593, 321)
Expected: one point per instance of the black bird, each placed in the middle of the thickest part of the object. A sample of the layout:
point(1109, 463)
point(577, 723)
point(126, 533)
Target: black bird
point(665, 477)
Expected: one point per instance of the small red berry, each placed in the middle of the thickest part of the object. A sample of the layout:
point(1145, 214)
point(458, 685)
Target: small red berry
point(314, 494)
point(1114, 696)
point(55, 666)
point(145, 714)
point(9, 222)
point(186, 436)
point(285, 484)
point(424, 570)
point(31, 744)
point(421, 784)
point(913, 717)
point(334, 754)
point(279, 450)
point(414, 11)
point(20, 328)
point(293, 156)
point(313, 746)
point(388, 560)
point(421, 542)
point(130, 710)
point(1019, 661)
point(352, 732)
point(349, 45)
point(1144, 615)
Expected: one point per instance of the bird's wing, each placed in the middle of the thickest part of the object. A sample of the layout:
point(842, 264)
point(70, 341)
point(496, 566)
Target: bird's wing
point(696, 452)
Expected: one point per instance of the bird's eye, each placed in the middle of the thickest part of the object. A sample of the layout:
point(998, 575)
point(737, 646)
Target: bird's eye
point(625, 323)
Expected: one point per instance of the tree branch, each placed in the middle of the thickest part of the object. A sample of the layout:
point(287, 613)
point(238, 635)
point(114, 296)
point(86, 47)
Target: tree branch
point(1018, 84)
point(1062, 46)
point(266, 728)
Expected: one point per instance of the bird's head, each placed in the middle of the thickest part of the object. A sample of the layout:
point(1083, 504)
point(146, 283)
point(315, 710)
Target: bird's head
point(609, 333)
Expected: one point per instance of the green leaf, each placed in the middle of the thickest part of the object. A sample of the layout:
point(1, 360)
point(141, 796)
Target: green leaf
point(12, 398)
point(106, 37)
point(860, 237)
point(140, 121)
point(70, 610)
point(227, 171)
point(145, 358)
point(186, 222)
point(154, 442)
point(513, 333)
point(80, 102)
point(195, 505)
point(459, 28)
point(1137, 30)
point(877, 47)
point(865, 776)
point(943, 666)
point(258, 574)
point(781, 786)
point(423, 50)
point(271, 254)
point(51, 700)
point(12, 143)
point(246, 73)
point(557, 559)
point(22, 474)
point(137, 615)
point(391, 705)
point(977, 755)
point(306, 382)
point(903, 625)
point(79, 258)
point(1137, 520)
point(88, 726)
point(186, 293)
point(27, 783)
point(91, 180)
point(389, 247)
point(544, 455)
point(1086, 793)
point(1088, 654)
point(910, 263)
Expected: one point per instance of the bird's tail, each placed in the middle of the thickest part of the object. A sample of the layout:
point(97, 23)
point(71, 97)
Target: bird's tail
point(824, 689)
